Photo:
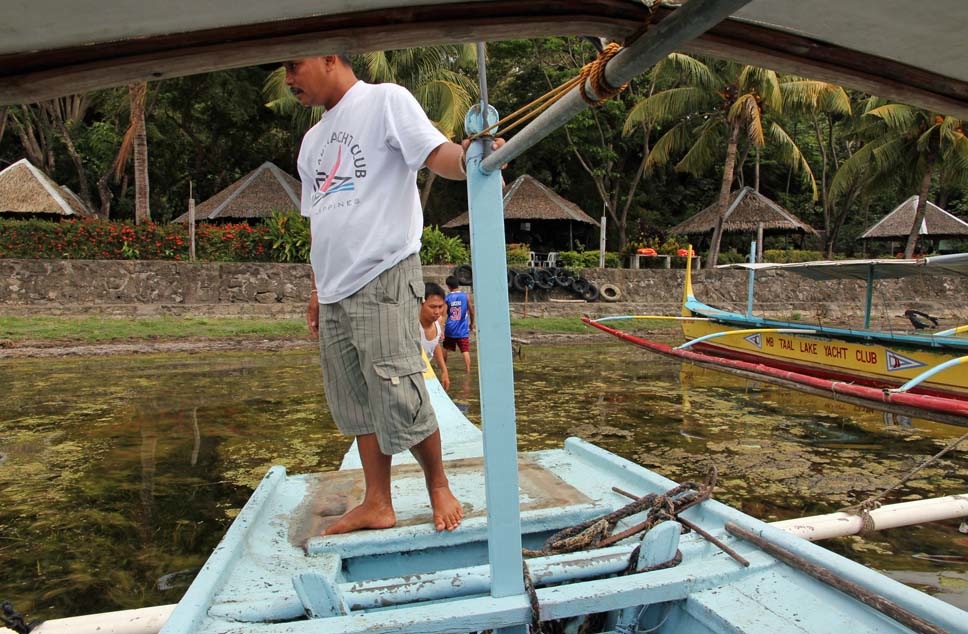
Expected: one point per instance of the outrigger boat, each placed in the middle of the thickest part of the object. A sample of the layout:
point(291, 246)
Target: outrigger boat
point(922, 375)
point(702, 567)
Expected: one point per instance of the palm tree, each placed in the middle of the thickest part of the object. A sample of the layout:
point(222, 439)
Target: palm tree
point(431, 74)
point(136, 142)
point(912, 146)
point(716, 106)
point(828, 112)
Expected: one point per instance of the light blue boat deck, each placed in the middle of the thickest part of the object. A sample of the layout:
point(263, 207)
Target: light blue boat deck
point(272, 567)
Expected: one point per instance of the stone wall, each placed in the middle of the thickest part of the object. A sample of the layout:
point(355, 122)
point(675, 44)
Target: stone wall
point(147, 288)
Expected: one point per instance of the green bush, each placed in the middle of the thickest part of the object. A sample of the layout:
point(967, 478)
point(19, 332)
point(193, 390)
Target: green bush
point(784, 256)
point(518, 254)
point(731, 257)
point(613, 260)
point(289, 237)
point(437, 248)
point(578, 259)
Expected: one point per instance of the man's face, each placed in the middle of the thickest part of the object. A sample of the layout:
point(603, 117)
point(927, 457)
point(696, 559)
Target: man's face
point(432, 308)
point(307, 79)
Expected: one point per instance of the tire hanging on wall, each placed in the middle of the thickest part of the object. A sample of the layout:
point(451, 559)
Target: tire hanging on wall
point(591, 293)
point(563, 278)
point(543, 279)
point(580, 285)
point(609, 292)
point(464, 274)
point(523, 281)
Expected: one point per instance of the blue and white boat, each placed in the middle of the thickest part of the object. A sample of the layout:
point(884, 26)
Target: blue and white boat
point(706, 567)
point(273, 573)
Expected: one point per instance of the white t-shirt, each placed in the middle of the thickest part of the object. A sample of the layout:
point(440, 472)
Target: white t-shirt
point(358, 168)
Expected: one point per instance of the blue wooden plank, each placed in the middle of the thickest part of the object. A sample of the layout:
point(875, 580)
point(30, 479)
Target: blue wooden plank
point(489, 263)
point(945, 615)
point(321, 597)
point(407, 539)
point(658, 546)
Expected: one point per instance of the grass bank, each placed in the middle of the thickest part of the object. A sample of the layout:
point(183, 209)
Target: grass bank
point(103, 329)
point(90, 330)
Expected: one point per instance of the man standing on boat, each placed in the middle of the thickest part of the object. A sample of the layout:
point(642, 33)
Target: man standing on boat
point(358, 168)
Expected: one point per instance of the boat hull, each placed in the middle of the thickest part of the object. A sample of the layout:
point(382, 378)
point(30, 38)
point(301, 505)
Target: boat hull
point(272, 572)
point(870, 364)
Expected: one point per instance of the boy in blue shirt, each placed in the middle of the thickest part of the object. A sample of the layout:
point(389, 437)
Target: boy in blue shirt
point(459, 322)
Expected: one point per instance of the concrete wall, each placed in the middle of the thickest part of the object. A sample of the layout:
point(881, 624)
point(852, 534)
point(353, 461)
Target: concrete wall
point(144, 288)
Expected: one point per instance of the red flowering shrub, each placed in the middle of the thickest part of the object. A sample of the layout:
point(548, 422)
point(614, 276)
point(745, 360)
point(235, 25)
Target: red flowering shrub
point(105, 240)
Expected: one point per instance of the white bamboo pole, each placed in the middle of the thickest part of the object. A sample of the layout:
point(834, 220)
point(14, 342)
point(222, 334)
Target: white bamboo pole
point(841, 524)
point(139, 621)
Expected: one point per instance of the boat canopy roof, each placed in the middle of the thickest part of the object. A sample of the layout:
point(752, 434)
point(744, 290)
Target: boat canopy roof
point(888, 48)
point(954, 264)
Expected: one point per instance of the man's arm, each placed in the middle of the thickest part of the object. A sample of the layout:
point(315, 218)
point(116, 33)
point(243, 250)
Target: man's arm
point(448, 159)
point(470, 312)
point(312, 306)
point(312, 310)
point(442, 367)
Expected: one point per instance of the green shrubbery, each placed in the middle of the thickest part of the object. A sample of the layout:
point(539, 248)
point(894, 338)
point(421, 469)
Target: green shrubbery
point(578, 259)
point(783, 256)
point(732, 257)
point(106, 240)
point(518, 255)
point(289, 236)
point(437, 248)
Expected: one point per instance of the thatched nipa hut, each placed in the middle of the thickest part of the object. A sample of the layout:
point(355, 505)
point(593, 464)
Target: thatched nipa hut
point(748, 209)
point(534, 214)
point(254, 196)
point(27, 191)
point(938, 224)
point(748, 212)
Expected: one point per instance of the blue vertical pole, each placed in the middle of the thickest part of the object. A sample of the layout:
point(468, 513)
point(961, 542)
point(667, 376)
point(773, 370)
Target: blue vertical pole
point(489, 264)
point(752, 279)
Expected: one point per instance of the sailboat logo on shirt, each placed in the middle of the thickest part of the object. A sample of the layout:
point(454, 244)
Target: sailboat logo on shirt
point(327, 183)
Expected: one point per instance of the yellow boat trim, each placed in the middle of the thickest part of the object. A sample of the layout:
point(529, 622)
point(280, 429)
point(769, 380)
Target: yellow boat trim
point(745, 331)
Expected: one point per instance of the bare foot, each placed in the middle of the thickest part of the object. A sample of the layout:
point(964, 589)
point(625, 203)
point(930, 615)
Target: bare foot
point(363, 516)
point(448, 511)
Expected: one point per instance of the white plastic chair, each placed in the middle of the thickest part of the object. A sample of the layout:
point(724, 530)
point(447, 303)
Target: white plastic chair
point(552, 260)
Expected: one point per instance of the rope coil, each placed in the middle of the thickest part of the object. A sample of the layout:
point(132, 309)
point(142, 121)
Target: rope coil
point(594, 72)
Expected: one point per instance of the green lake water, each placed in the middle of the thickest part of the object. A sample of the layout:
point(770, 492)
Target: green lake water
point(118, 475)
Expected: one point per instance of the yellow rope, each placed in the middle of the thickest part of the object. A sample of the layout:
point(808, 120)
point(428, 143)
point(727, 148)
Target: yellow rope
point(593, 72)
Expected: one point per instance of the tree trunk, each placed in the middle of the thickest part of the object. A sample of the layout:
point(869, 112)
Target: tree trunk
point(912, 240)
point(756, 180)
point(32, 137)
point(425, 190)
point(727, 183)
point(104, 192)
point(57, 115)
point(137, 93)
